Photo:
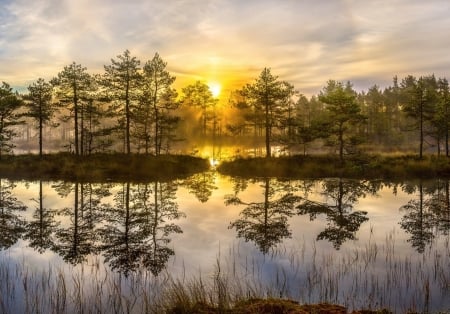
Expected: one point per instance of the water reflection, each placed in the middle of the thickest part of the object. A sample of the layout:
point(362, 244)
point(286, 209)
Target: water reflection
point(138, 225)
point(77, 238)
point(201, 185)
point(440, 205)
point(132, 225)
point(127, 227)
point(12, 226)
point(40, 229)
point(264, 222)
point(427, 213)
point(342, 220)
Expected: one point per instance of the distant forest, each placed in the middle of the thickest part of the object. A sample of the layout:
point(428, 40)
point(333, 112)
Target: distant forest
point(134, 108)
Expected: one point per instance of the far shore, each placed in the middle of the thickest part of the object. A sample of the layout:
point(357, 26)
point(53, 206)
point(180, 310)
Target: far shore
point(140, 167)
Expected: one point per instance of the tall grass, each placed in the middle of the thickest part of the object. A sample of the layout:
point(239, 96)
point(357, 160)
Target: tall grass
point(372, 276)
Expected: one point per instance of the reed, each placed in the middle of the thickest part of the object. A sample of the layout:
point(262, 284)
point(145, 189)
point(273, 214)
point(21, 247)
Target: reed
point(370, 277)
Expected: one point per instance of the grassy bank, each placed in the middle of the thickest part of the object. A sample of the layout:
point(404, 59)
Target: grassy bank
point(322, 166)
point(100, 167)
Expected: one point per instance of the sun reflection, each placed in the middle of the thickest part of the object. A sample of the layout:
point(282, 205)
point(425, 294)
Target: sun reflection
point(213, 162)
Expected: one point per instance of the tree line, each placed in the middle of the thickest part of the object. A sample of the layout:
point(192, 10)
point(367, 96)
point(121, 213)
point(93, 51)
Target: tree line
point(133, 108)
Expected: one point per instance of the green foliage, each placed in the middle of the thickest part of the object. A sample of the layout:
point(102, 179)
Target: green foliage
point(343, 113)
point(123, 81)
point(40, 106)
point(72, 86)
point(9, 104)
point(199, 95)
point(269, 98)
point(154, 117)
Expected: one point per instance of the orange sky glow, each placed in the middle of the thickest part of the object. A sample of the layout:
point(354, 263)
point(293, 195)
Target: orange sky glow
point(229, 42)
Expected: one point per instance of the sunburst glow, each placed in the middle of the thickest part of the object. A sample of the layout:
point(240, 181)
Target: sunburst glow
point(215, 88)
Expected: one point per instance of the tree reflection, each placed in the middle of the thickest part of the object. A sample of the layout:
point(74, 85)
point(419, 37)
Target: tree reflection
point(342, 221)
point(266, 222)
point(439, 205)
point(78, 237)
point(11, 225)
point(159, 213)
point(138, 226)
point(201, 185)
point(39, 231)
point(419, 219)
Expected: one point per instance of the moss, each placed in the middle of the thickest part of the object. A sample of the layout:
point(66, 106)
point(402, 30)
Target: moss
point(363, 166)
point(100, 167)
point(269, 306)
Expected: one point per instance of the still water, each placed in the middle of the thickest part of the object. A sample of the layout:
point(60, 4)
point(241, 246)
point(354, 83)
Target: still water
point(357, 243)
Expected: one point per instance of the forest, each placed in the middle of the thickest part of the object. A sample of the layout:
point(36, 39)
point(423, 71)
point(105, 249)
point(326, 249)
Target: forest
point(133, 108)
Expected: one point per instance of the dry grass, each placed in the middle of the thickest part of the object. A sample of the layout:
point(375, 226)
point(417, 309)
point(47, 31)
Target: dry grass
point(370, 277)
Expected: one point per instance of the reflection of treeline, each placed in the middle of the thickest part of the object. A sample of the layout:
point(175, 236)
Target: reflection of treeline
point(265, 221)
point(134, 108)
point(131, 224)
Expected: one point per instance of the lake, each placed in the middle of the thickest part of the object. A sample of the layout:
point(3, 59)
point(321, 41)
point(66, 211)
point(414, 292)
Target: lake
point(117, 245)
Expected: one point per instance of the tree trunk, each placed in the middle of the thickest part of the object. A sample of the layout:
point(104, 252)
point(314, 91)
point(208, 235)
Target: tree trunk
point(75, 109)
point(40, 135)
point(268, 152)
point(82, 131)
point(341, 143)
point(421, 130)
point(127, 117)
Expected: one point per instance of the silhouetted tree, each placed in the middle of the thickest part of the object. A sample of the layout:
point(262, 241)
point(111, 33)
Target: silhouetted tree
point(40, 106)
point(288, 114)
point(308, 123)
point(95, 118)
point(265, 222)
point(395, 117)
point(342, 221)
point(199, 95)
point(441, 116)
point(269, 97)
point(9, 104)
point(419, 97)
point(343, 112)
point(123, 80)
point(376, 112)
point(157, 103)
point(71, 85)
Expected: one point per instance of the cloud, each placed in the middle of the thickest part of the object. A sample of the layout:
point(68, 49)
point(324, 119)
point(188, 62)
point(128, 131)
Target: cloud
point(305, 42)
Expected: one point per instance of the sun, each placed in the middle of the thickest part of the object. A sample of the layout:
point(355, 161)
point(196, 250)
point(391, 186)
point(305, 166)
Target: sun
point(215, 88)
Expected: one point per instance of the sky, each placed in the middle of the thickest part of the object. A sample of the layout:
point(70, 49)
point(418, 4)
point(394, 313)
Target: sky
point(229, 42)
